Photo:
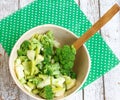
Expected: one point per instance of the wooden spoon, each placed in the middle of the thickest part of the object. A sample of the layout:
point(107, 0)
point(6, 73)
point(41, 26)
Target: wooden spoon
point(101, 22)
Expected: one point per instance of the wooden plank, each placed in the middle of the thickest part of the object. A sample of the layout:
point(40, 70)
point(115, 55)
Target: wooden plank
point(110, 33)
point(94, 91)
point(112, 39)
point(91, 10)
point(112, 84)
point(22, 95)
point(8, 89)
point(25, 2)
point(7, 7)
point(77, 96)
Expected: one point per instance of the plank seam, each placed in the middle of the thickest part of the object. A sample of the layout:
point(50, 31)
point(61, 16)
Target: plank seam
point(19, 4)
point(79, 2)
point(103, 88)
point(83, 94)
point(101, 34)
point(99, 13)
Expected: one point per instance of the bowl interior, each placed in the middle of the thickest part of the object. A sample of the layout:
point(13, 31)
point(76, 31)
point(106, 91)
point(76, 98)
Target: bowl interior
point(82, 62)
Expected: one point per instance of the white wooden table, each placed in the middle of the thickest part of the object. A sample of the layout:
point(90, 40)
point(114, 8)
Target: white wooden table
point(105, 88)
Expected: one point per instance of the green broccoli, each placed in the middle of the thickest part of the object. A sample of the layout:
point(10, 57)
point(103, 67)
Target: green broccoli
point(36, 36)
point(66, 57)
point(35, 80)
point(23, 58)
point(73, 74)
point(47, 92)
point(47, 42)
point(34, 43)
point(23, 48)
point(52, 69)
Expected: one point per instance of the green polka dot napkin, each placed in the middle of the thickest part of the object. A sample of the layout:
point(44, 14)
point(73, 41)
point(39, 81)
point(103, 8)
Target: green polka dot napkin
point(65, 13)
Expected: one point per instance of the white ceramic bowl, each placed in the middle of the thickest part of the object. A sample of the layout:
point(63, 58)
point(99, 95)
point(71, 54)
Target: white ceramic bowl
point(64, 36)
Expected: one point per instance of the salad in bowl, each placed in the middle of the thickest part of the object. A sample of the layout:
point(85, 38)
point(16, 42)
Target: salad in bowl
point(45, 65)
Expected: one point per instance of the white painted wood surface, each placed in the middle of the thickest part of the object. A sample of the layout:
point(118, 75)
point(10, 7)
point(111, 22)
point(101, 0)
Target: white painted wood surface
point(91, 9)
point(112, 37)
point(105, 88)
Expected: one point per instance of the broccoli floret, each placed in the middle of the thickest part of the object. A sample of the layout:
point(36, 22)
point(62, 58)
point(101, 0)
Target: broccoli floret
point(70, 73)
point(66, 57)
point(47, 92)
point(52, 69)
point(23, 58)
point(34, 44)
point(47, 43)
point(35, 80)
point(23, 48)
point(73, 75)
point(47, 39)
point(39, 66)
point(47, 70)
point(47, 59)
point(36, 36)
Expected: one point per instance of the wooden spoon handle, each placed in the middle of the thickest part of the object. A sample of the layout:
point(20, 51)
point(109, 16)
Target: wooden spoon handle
point(101, 22)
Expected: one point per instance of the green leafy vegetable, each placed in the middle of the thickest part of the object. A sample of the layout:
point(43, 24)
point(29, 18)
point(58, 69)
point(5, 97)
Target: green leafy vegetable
point(47, 42)
point(52, 69)
point(23, 48)
point(47, 93)
point(44, 67)
point(66, 57)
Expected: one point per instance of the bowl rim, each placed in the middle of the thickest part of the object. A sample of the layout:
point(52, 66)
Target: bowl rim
point(18, 41)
